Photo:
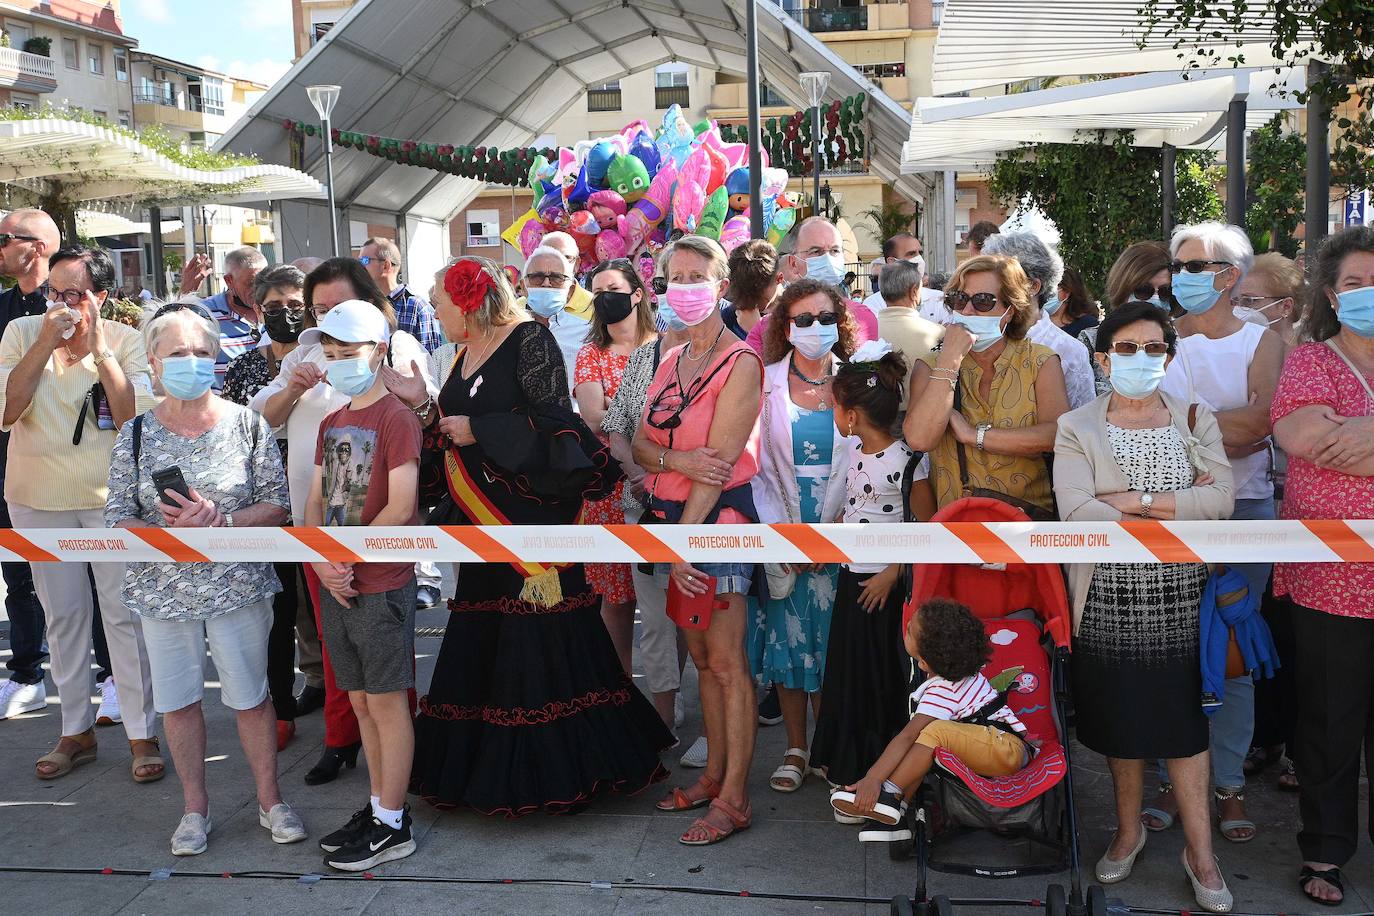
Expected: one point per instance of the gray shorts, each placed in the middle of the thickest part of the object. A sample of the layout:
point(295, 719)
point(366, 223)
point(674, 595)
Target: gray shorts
point(372, 644)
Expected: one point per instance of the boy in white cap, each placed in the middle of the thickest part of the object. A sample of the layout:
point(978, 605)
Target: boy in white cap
point(367, 460)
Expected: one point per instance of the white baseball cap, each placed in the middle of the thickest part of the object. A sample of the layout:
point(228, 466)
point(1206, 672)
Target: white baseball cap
point(352, 321)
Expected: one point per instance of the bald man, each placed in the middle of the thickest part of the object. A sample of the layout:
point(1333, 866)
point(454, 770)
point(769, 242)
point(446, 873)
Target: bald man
point(307, 264)
point(27, 239)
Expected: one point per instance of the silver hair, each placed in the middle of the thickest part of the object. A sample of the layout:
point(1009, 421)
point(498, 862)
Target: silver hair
point(1220, 241)
point(897, 281)
point(153, 328)
point(247, 257)
point(274, 277)
point(1038, 260)
point(546, 251)
point(571, 262)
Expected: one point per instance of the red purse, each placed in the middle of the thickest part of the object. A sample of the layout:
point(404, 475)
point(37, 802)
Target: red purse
point(693, 612)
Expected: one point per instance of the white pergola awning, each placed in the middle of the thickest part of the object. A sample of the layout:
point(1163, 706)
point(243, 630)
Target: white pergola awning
point(501, 73)
point(967, 133)
point(990, 42)
point(96, 164)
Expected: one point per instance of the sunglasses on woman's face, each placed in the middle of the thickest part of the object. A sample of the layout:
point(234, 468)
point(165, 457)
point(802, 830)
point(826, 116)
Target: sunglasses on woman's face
point(982, 302)
point(806, 319)
point(1130, 348)
point(1195, 267)
point(1146, 291)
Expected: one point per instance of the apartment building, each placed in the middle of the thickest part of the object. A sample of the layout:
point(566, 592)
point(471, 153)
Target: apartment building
point(68, 51)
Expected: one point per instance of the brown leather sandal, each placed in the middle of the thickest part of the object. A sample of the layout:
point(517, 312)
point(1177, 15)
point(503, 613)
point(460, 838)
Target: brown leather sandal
point(678, 799)
point(148, 761)
point(62, 762)
point(720, 821)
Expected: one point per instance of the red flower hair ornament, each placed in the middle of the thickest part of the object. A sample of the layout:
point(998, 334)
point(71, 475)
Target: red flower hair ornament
point(467, 284)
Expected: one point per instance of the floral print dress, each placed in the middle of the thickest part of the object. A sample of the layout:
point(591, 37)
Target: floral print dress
point(613, 581)
point(795, 630)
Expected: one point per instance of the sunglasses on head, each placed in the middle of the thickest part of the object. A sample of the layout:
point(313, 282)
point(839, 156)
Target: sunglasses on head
point(660, 285)
point(806, 319)
point(956, 299)
point(1195, 266)
point(1130, 348)
point(7, 237)
point(1146, 291)
point(182, 306)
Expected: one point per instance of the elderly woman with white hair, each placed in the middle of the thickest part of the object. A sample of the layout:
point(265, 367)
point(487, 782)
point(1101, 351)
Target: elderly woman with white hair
point(1045, 269)
point(1232, 367)
point(198, 461)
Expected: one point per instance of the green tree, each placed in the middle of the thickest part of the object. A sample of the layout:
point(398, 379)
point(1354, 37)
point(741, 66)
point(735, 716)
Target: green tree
point(1274, 188)
point(890, 218)
point(1104, 195)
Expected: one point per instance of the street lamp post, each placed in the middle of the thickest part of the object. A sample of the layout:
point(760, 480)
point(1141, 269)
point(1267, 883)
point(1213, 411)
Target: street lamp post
point(814, 83)
point(324, 99)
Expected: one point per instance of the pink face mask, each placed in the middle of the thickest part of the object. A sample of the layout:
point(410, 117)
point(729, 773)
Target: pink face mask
point(692, 302)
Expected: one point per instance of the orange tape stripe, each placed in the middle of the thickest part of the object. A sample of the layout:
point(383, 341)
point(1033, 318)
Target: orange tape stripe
point(1160, 541)
point(1342, 539)
point(648, 546)
point(324, 545)
point(817, 547)
point(163, 540)
point(980, 539)
point(15, 542)
point(481, 543)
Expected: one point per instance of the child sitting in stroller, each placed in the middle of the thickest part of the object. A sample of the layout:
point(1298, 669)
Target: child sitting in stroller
point(956, 708)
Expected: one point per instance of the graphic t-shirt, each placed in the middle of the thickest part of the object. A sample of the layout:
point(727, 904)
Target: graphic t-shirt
point(355, 451)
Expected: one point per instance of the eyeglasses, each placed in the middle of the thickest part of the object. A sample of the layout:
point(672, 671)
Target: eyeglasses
point(69, 297)
point(1130, 348)
point(295, 306)
point(1253, 302)
point(1146, 291)
point(546, 280)
point(7, 237)
point(320, 311)
point(956, 299)
point(366, 259)
point(1195, 267)
point(181, 307)
point(806, 319)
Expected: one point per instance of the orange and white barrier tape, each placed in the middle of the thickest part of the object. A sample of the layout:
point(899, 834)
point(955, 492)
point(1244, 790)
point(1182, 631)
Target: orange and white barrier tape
point(1320, 541)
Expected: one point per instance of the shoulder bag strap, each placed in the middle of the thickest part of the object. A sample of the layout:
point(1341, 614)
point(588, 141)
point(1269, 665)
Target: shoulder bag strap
point(959, 446)
point(1192, 418)
point(1359, 376)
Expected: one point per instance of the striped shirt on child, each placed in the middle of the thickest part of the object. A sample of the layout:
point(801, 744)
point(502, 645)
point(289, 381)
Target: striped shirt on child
point(956, 700)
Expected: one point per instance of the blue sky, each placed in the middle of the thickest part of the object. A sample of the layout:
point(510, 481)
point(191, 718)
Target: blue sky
point(245, 38)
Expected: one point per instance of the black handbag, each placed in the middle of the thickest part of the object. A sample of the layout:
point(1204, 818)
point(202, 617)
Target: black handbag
point(1033, 512)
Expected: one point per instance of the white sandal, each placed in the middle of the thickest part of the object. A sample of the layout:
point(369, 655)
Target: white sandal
point(790, 774)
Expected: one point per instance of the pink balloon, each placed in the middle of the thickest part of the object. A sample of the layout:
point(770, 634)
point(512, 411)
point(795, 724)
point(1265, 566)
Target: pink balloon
point(530, 235)
point(735, 232)
point(609, 245)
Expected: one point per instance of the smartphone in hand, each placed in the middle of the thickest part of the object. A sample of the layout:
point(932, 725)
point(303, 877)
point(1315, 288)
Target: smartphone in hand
point(170, 479)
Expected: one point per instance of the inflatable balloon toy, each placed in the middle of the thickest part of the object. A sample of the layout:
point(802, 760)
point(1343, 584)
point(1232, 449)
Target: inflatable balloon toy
point(576, 192)
point(781, 225)
point(714, 214)
point(628, 177)
point(599, 159)
point(540, 175)
point(606, 206)
point(648, 212)
point(735, 232)
point(583, 223)
point(531, 234)
point(737, 187)
point(643, 149)
point(675, 137)
point(610, 245)
point(719, 168)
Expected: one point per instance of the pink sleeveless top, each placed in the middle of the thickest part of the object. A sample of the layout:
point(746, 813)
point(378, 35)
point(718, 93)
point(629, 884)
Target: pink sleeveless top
point(664, 400)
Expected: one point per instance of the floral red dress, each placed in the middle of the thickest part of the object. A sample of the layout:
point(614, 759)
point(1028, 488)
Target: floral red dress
point(612, 581)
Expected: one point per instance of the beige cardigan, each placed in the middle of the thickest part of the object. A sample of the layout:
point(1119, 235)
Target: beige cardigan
point(1085, 466)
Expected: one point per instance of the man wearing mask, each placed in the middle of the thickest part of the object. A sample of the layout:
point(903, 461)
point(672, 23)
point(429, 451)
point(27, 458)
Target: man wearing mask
point(27, 238)
point(818, 254)
point(235, 309)
point(901, 247)
point(565, 306)
point(414, 315)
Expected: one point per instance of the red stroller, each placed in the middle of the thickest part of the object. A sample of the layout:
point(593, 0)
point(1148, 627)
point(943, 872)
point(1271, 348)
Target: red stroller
point(1026, 613)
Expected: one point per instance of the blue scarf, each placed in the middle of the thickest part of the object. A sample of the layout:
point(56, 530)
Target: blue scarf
point(1228, 604)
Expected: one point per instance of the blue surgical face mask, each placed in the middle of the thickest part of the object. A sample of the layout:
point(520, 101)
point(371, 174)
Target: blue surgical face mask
point(827, 268)
point(1051, 306)
point(546, 301)
point(1356, 310)
point(353, 376)
point(187, 377)
point(815, 341)
point(986, 329)
point(668, 318)
point(1136, 376)
point(1196, 292)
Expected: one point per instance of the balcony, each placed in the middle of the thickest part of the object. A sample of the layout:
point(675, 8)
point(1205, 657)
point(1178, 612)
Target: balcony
point(842, 19)
point(26, 72)
point(726, 97)
point(668, 96)
point(603, 100)
point(178, 109)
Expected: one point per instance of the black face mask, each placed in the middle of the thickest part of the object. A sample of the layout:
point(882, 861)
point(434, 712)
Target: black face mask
point(612, 307)
point(284, 326)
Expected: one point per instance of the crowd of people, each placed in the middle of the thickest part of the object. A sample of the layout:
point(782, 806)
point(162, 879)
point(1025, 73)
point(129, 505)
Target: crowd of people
point(1209, 383)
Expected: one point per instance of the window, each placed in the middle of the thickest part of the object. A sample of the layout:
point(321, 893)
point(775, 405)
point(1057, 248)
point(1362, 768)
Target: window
point(24, 101)
point(95, 57)
point(18, 33)
point(484, 228)
point(605, 97)
point(212, 95)
point(121, 57)
point(125, 118)
point(880, 71)
point(102, 115)
point(321, 28)
point(668, 76)
point(71, 54)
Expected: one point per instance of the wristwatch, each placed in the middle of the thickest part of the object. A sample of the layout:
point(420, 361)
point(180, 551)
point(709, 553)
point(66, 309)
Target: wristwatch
point(1146, 501)
point(228, 519)
point(982, 431)
point(100, 357)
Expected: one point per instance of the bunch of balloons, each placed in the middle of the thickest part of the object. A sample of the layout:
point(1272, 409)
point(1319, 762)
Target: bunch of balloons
point(627, 194)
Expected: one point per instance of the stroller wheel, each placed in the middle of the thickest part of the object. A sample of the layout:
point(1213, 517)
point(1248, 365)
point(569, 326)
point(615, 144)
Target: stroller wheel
point(1056, 901)
point(1097, 901)
point(940, 906)
point(901, 906)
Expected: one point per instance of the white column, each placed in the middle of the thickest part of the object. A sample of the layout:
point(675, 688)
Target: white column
point(425, 251)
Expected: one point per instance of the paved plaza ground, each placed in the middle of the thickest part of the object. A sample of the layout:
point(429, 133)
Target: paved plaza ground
point(97, 818)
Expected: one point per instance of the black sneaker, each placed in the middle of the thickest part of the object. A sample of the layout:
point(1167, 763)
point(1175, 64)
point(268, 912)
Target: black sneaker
point(770, 710)
point(381, 843)
point(885, 833)
point(888, 809)
point(349, 833)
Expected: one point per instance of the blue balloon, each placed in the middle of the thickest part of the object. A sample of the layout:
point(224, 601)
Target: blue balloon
point(577, 196)
point(645, 151)
point(598, 161)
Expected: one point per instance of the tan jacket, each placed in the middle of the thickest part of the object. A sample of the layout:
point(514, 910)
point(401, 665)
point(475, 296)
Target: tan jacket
point(1085, 466)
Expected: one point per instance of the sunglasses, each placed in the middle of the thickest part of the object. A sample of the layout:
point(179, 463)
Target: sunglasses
point(7, 237)
point(660, 286)
point(295, 308)
point(1131, 348)
point(180, 307)
point(664, 403)
point(1195, 267)
point(806, 319)
point(1145, 291)
point(956, 299)
point(367, 259)
point(546, 280)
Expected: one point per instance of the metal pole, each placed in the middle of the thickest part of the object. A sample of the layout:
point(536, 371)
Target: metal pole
point(159, 272)
point(329, 186)
point(816, 159)
point(751, 66)
point(948, 186)
point(1318, 163)
point(1166, 187)
point(1235, 163)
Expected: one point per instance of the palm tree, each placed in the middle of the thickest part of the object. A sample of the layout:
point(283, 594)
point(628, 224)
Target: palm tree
point(891, 218)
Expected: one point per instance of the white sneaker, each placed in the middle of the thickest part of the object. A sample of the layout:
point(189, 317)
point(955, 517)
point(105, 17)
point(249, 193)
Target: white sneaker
point(17, 699)
point(696, 754)
point(192, 835)
point(284, 823)
point(108, 713)
point(842, 818)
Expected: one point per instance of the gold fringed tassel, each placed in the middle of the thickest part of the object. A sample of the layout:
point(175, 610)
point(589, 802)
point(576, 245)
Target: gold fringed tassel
point(544, 589)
